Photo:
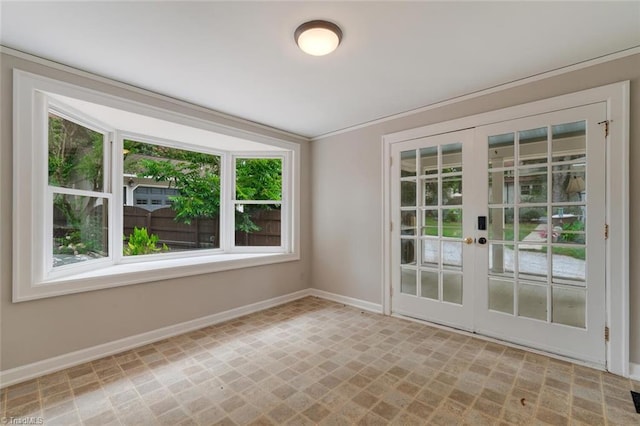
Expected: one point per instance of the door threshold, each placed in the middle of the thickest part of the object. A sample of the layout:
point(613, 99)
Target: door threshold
point(502, 342)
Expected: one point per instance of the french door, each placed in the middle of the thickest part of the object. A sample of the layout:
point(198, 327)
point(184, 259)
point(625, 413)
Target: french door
point(500, 230)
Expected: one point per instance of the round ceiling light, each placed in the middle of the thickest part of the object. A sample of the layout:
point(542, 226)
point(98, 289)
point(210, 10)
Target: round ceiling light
point(318, 38)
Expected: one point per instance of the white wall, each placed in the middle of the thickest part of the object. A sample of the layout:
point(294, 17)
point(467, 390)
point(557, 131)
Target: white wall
point(33, 331)
point(347, 185)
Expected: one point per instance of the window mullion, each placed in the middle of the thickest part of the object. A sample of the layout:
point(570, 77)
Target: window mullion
point(227, 203)
point(117, 204)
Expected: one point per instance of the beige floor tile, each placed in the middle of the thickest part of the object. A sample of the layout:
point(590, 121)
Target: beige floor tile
point(317, 362)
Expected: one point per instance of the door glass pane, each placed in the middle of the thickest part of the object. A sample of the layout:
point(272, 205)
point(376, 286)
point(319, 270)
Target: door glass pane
point(430, 192)
point(569, 224)
point(569, 183)
point(569, 141)
point(533, 262)
point(429, 284)
point(501, 150)
point(532, 224)
point(569, 306)
point(452, 158)
point(452, 288)
point(431, 252)
point(532, 301)
point(501, 223)
point(452, 190)
point(501, 295)
point(408, 251)
point(429, 160)
point(452, 223)
point(533, 185)
point(407, 193)
point(408, 222)
point(452, 255)
point(430, 222)
point(501, 187)
point(501, 259)
point(80, 229)
point(569, 264)
point(408, 281)
point(408, 163)
point(533, 146)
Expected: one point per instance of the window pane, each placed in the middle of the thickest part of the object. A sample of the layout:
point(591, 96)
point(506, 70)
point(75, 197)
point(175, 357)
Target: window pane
point(80, 229)
point(408, 163)
point(569, 141)
point(452, 223)
point(76, 155)
point(501, 260)
point(501, 150)
point(258, 179)
point(407, 193)
point(408, 224)
point(569, 306)
point(501, 223)
point(532, 301)
point(452, 288)
point(430, 222)
point(430, 192)
point(501, 295)
point(501, 187)
point(533, 185)
point(533, 146)
point(452, 158)
point(429, 284)
point(429, 160)
point(408, 279)
point(452, 190)
point(175, 203)
point(258, 225)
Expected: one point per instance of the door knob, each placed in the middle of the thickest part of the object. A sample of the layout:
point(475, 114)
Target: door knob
point(482, 240)
point(468, 240)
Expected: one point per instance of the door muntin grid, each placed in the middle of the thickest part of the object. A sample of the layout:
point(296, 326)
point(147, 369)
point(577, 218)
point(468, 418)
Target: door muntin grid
point(431, 222)
point(537, 266)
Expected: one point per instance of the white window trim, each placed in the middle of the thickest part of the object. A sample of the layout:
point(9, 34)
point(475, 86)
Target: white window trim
point(285, 157)
point(30, 193)
point(616, 96)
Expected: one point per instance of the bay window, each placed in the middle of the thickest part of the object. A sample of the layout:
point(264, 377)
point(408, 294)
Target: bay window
point(108, 192)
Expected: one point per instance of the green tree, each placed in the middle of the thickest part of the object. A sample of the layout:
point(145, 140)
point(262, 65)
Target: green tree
point(197, 178)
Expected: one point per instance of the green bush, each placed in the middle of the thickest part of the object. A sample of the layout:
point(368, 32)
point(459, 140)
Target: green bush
point(140, 242)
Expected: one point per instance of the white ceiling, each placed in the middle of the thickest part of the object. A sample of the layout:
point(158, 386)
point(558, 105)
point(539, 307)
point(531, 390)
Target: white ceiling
point(240, 57)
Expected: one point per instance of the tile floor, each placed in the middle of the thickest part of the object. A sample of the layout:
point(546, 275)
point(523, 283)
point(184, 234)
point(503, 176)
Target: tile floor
point(318, 362)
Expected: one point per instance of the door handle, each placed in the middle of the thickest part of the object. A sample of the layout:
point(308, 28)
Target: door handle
point(468, 240)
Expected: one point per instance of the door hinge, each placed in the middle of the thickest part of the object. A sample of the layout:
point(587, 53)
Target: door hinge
point(390, 226)
point(606, 333)
point(390, 161)
point(606, 231)
point(606, 127)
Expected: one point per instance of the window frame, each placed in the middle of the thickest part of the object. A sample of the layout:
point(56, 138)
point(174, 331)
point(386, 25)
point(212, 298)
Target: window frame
point(233, 201)
point(33, 274)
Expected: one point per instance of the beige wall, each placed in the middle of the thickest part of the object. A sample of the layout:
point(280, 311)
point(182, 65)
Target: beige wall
point(347, 181)
point(33, 331)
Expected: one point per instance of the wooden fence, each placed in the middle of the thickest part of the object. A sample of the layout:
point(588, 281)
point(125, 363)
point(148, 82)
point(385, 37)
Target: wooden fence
point(201, 233)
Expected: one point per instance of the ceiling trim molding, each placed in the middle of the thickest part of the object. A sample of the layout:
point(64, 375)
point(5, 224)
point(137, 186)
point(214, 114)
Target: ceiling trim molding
point(98, 78)
point(504, 86)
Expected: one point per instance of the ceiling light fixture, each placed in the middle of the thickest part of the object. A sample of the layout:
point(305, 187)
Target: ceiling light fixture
point(318, 37)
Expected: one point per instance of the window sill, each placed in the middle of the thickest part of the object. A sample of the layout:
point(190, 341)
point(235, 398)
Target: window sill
point(141, 272)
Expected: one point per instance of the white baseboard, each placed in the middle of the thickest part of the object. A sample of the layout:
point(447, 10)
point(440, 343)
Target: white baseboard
point(357, 303)
point(634, 371)
point(50, 365)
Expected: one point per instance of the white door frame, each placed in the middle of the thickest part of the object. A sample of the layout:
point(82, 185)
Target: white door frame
point(617, 209)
